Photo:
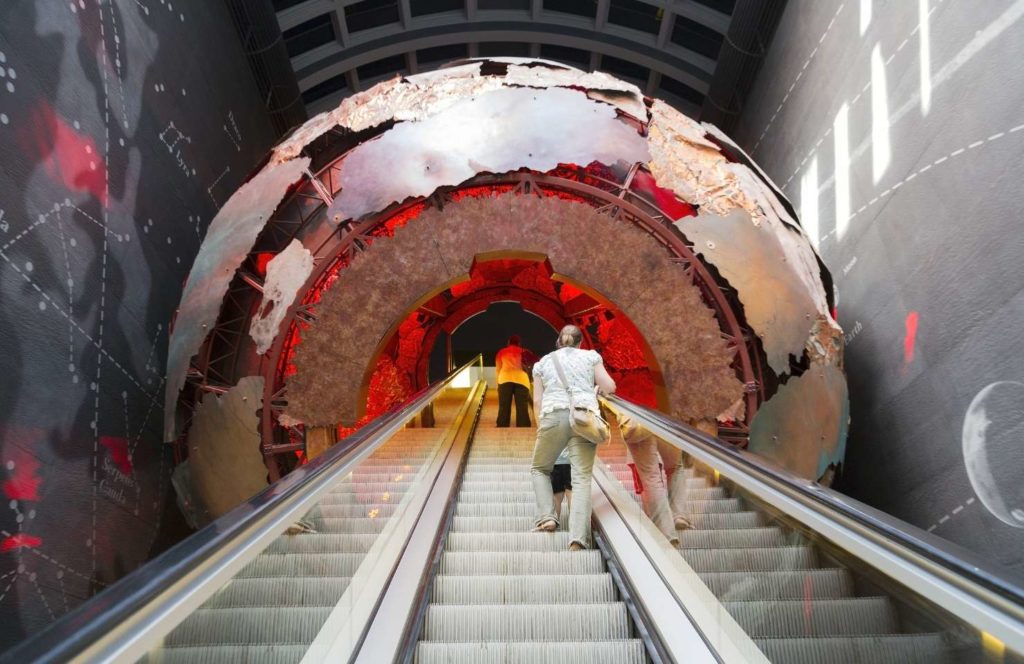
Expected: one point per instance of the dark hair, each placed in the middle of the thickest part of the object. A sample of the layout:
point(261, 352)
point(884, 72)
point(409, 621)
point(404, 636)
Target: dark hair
point(570, 336)
point(514, 340)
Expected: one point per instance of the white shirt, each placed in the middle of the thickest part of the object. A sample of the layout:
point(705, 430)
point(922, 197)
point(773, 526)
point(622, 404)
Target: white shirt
point(578, 366)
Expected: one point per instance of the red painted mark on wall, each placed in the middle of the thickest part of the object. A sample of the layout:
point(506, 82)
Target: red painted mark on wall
point(69, 157)
point(119, 454)
point(910, 339)
point(23, 481)
point(20, 541)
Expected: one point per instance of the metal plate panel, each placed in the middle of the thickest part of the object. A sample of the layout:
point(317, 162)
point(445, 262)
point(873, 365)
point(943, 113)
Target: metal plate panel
point(804, 426)
point(496, 132)
point(225, 460)
point(286, 273)
point(768, 265)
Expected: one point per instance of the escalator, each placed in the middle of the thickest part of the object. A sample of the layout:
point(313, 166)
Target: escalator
point(503, 593)
point(274, 607)
point(796, 602)
point(411, 541)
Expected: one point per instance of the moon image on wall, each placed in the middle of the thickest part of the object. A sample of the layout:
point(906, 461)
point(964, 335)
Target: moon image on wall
point(993, 434)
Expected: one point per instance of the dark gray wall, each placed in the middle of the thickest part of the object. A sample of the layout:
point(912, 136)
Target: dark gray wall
point(122, 126)
point(928, 267)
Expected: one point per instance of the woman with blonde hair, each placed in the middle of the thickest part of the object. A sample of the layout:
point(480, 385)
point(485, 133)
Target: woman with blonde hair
point(569, 369)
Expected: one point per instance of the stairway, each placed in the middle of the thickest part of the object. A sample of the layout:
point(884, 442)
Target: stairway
point(796, 607)
point(506, 594)
point(275, 606)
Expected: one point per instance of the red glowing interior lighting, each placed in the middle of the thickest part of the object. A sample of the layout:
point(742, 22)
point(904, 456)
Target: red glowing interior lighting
point(482, 191)
point(262, 260)
point(666, 200)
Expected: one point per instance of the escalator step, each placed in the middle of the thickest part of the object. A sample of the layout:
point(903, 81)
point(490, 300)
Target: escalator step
point(707, 493)
point(825, 617)
point(319, 543)
point(292, 565)
point(511, 542)
point(724, 506)
point(494, 510)
point(812, 583)
point(536, 589)
point(558, 562)
point(279, 591)
point(506, 485)
point(528, 622)
point(358, 476)
point(490, 524)
point(352, 511)
point(496, 652)
point(241, 654)
point(747, 538)
point(371, 487)
point(885, 649)
point(497, 497)
point(474, 476)
point(252, 626)
point(362, 498)
point(727, 520)
point(361, 525)
point(751, 560)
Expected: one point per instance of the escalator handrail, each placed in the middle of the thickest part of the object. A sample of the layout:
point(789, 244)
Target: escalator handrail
point(961, 563)
point(154, 588)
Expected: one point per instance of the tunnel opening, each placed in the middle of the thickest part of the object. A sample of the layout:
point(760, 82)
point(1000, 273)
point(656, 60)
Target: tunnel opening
point(402, 361)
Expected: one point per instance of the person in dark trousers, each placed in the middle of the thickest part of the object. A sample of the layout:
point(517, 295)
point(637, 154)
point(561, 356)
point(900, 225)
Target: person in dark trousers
point(513, 382)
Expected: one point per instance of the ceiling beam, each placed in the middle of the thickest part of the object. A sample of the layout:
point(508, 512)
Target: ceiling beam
point(601, 18)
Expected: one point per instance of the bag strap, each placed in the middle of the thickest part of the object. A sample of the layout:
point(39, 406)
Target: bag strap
point(561, 378)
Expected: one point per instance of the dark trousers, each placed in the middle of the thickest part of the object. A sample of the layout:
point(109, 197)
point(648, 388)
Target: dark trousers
point(506, 391)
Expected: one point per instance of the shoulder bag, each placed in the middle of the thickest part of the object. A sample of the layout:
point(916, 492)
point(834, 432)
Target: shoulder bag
point(584, 422)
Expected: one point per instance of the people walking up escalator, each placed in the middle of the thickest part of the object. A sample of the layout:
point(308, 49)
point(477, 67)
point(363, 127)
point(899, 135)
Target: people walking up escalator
point(661, 489)
point(568, 368)
point(511, 365)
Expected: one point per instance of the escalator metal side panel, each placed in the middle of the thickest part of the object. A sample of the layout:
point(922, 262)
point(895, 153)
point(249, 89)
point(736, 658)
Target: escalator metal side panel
point(385, 634)
point(688, 620)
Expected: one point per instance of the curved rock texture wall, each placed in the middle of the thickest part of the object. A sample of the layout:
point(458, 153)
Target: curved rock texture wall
point(118, 147)
point(436, 130)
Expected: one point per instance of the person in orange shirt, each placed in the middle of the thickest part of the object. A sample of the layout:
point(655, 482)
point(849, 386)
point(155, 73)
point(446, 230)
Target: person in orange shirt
point(513, 382)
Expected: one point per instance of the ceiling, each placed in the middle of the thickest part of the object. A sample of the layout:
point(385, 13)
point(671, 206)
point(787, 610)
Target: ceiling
point(669, 48)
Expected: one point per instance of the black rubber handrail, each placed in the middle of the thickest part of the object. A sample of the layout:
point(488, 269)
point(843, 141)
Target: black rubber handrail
point(105, 614)
point(953, 558)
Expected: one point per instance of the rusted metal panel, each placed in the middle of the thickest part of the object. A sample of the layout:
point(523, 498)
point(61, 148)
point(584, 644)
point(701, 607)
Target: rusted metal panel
point(228, 240)
point(804, 426)
point(599, 86)
point(496, 132)
point(415, 98)
point(225, 461)
point(770, 266)
point(403, 99)
point(286, 273)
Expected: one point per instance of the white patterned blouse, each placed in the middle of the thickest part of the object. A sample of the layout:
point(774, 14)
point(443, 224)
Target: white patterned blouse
point(578, 366)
